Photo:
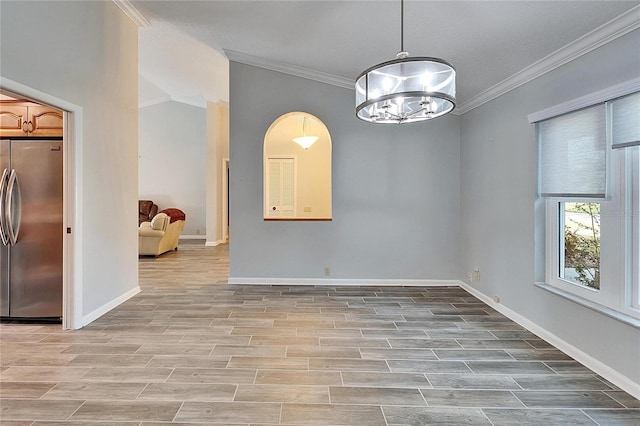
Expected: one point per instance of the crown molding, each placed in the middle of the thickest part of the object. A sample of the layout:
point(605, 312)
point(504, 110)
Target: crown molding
point(602, 35)
point(133, 13)
point(294, 70)
point(617, 27)
point(616, 91)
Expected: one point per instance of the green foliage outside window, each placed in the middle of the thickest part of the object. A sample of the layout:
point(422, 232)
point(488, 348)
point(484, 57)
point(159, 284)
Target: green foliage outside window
point(582, 242)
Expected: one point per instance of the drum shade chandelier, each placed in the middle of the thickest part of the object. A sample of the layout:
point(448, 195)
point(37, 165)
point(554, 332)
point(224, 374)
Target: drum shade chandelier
point(406, 89)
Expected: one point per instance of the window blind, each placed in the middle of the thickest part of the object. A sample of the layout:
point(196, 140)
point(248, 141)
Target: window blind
point(625, 121)
point(573, 161)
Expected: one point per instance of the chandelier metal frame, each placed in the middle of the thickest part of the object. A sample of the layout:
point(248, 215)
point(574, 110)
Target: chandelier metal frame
point(408, 97)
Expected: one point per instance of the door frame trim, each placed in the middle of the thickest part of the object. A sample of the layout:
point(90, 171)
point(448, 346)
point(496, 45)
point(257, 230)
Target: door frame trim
point(72, 198)
point(225, 200)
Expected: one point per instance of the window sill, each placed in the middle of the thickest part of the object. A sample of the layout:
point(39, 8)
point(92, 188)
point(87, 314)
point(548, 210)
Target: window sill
point(624, 318)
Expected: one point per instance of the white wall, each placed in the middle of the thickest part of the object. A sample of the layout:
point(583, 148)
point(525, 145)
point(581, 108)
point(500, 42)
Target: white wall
point(395, 189)
point(86, 53)
point(500, 228)
point(172, 160)
point(217, 152)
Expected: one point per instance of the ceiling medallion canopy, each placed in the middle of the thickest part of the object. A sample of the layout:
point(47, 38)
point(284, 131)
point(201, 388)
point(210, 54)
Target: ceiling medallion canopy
point(406, 89)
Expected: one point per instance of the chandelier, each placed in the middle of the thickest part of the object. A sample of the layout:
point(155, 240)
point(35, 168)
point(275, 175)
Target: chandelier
point(406, 89)
point(305, 141)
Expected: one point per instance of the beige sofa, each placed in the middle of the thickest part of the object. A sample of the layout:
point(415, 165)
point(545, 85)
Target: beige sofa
point(161, 234)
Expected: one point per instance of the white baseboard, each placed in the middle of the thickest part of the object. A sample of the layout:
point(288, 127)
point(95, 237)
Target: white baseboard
point(587, 360)
point(343, 282)
point(213, 243)
point(192, 237)
point(97, 313)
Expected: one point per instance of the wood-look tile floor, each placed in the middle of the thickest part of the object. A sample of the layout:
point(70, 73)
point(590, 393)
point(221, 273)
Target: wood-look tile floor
point(191, 349)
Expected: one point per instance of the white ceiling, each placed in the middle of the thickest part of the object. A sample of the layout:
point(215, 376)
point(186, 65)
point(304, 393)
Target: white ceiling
point(486, 41)
point(175, 66)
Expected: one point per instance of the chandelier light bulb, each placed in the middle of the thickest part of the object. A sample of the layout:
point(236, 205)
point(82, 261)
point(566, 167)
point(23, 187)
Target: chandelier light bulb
point(427, 79)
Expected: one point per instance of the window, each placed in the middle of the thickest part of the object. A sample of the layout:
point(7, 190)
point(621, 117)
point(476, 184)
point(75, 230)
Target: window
point(590, 176)
point(579, 255)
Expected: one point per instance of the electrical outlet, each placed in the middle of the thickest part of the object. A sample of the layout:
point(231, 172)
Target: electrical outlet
point(477, 273)
point(327, 271)
point(470, 277)
point(496, 299)
point(307, 209)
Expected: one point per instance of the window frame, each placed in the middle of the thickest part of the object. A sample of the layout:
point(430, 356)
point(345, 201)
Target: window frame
point(627, 306)
point(620, 243)
point(633, 292)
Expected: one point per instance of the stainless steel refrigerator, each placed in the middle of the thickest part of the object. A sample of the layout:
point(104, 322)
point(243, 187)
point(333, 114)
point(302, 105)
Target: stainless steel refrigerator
point(31, 228)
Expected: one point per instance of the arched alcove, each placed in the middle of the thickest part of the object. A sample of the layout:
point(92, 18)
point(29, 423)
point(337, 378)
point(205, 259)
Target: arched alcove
point(297, 177)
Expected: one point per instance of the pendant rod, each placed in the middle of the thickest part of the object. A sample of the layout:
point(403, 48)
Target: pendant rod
point(402, 25)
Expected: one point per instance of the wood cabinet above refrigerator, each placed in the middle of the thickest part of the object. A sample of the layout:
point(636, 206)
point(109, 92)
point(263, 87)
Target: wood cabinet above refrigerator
point(19, 118)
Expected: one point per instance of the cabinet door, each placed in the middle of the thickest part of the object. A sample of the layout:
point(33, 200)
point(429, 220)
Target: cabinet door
point(12, 118)
point(45, 121)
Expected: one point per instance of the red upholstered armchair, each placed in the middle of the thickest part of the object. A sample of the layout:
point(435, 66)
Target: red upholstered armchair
point(146, 211)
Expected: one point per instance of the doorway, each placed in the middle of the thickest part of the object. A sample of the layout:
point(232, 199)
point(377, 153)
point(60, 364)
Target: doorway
point(71, 220)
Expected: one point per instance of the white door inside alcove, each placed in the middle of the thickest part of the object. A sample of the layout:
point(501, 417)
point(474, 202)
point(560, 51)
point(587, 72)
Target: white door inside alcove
point(281, 186)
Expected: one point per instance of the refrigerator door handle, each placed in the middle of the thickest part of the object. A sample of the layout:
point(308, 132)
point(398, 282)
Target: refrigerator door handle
point(3, 226)
point(13, 212)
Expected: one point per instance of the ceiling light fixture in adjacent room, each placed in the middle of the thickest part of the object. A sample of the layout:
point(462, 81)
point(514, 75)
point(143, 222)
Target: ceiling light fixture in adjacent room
point(304, 140)
point(406, 89)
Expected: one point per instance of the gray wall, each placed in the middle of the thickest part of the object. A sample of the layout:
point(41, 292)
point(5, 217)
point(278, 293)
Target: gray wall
point(86, 53)
point(500, 228)
point(172, 154)
point(395, 189)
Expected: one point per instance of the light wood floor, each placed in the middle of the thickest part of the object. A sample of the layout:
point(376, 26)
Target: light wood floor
point(192, 349)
